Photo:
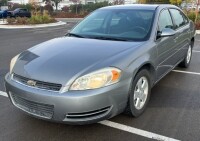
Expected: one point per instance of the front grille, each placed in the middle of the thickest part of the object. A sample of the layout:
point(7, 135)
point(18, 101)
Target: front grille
point(89, 114)
point(38, 84)
point(38, 109)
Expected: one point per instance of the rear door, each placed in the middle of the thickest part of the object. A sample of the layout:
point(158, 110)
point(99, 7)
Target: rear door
point(165, 45)
point(182, 28)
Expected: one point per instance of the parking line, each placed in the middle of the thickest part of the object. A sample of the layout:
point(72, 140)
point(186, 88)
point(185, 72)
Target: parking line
point(136, 131)
point(196, 51)
point(188, 72)
point(3, 94)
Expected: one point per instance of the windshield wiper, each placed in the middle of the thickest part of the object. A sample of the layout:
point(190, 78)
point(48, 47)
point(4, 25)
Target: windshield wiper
point(110, 38)
point(74, 35)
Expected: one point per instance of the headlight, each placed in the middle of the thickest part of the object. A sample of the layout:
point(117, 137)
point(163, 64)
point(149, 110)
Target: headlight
point(97, 79)
point(12, 63)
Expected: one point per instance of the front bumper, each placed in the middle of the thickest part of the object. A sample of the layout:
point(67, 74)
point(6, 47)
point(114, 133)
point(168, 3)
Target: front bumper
point(73, 107)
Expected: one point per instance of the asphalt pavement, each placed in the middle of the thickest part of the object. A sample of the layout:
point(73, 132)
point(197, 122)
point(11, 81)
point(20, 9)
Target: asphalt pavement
point(173, 110)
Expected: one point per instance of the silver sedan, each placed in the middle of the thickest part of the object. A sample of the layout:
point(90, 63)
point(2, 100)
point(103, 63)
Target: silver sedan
point(106, 65)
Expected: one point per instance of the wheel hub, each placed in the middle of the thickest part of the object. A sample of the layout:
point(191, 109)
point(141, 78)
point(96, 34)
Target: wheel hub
point(189, 54)
point(141, 92)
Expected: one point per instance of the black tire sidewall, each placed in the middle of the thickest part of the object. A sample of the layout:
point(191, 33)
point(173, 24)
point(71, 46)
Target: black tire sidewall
point(143, 73)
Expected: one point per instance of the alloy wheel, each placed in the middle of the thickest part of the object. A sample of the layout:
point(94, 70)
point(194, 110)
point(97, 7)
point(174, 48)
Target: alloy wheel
point(141, 92)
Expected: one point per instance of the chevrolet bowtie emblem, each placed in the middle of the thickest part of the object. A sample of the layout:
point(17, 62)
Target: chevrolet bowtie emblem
point(31, 83)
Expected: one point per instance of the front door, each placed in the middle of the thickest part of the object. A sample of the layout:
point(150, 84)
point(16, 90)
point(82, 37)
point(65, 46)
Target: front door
point(165, 45)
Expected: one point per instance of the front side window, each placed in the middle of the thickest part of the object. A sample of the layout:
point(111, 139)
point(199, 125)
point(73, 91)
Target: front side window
point(165, 20)
point(178, 17)
point(118, 23)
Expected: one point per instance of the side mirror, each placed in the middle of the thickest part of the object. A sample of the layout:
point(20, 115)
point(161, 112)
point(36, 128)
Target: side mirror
point(166, 32)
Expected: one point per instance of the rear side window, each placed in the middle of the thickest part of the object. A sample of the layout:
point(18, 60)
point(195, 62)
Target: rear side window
point(165, 20)
point(179, 19)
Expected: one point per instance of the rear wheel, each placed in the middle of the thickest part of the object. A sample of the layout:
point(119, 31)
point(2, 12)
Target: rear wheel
point(139, 93)
point(186, 62)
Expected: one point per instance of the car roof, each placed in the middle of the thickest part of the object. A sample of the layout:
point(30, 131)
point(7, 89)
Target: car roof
point(139, 6)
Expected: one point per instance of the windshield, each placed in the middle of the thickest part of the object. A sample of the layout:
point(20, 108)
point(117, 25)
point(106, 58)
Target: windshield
point(119, 24)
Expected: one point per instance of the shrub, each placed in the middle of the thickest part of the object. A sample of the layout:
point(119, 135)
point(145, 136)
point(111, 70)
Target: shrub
point(197, 24)
point(41, 19)
point(65, 9)
point(198, 18)
point(88, 7)
point(35, 19)
point(21, 21)
point(68, 15)
point(192, 16)
point(76, 8)
point(11, 20)
point(93, 6)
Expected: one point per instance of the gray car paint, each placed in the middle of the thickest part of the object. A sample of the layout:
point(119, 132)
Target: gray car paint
point(62, 60)
point(73, 56)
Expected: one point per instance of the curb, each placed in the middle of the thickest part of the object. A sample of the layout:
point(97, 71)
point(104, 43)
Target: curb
point(70, 20)
point(31, 26)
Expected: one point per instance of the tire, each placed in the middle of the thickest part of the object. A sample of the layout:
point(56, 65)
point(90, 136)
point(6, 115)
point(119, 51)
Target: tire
point(186, 62)
point(133, 108)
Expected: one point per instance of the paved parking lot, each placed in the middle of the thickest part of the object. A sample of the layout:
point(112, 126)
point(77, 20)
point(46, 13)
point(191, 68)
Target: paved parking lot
point(173, 111)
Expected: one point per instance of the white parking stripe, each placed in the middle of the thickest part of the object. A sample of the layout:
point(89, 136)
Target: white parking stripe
point(3, 94)
point(188, 72)
point(196, 51)
point(136, 131)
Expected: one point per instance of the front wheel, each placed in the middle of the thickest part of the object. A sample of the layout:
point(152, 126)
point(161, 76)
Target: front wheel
point(186, 62)
point(139, 93)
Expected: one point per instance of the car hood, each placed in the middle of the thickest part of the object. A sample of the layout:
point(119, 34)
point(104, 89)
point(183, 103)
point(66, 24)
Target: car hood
point(60, 59)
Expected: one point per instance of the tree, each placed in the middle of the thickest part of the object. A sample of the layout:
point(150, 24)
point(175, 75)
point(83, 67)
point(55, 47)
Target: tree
point(35, 5)
point(176, 2)
point(118, 2)
point(76, 2)
point(56, 3)
point(197, 10)
point(3, 2)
